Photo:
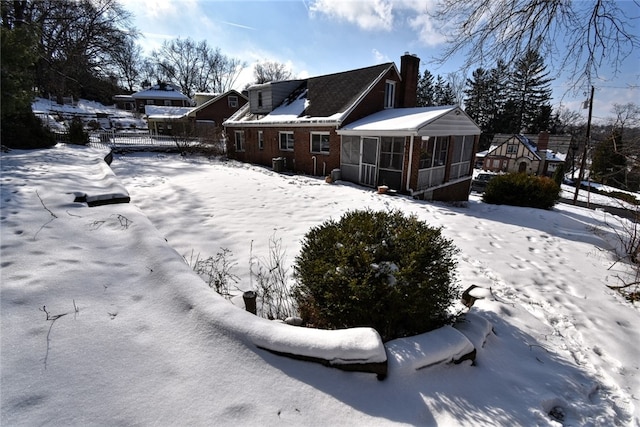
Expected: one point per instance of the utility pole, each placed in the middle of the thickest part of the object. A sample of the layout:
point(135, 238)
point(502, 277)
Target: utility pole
point(586, 145)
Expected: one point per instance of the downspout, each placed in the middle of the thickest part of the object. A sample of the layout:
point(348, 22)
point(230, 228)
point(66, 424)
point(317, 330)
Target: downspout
point(410, 162)
point(314, 165)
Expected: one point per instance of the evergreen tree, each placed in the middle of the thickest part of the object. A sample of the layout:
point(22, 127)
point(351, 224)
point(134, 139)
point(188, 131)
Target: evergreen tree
point(443, 93)
point(20, 128)
point(425, 90)
point(477, 101)
point(497, 99)
point(529, 93)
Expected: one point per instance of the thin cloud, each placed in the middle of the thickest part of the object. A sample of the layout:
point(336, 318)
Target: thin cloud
point(233, 24)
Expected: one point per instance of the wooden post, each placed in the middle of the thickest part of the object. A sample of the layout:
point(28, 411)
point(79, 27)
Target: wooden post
point(586, 146)
point(249, 298)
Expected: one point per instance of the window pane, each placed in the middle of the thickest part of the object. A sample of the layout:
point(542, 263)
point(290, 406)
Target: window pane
point(350, 153)
point(426, 154)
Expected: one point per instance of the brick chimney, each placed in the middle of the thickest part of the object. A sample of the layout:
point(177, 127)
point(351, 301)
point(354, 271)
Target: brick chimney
point(543, 141)
point(409, 69)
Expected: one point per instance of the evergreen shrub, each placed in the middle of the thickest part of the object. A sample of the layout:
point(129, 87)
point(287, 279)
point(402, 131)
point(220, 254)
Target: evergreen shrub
point(77, 134)
point(384, 270)
point(520, 189)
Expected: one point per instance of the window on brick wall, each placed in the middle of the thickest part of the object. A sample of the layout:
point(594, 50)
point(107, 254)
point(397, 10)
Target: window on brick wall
point(320, 142)
point(389, 94)
point(239, 139)
point(286, 141)
point(260, 140)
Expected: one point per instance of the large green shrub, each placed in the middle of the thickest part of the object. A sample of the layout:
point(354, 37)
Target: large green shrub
point(379, 269)
point(519, 189)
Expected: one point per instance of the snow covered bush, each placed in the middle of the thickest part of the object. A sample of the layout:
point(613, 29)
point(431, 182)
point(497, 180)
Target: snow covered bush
point(520, 189)
point(379, 269)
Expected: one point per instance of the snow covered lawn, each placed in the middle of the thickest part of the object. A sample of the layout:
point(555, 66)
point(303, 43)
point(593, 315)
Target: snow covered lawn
point(103, 321)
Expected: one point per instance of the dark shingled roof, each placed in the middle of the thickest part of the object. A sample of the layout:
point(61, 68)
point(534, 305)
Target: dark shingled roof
point(335, 93)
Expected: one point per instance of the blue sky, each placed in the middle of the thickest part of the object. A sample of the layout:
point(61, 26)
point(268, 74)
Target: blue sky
point(316, 37)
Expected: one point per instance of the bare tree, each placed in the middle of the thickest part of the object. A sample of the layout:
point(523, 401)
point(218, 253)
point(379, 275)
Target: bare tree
point(458, 82)
point(271, 71)
point(196, 67)
point(580, 35)
point(625, 116)
point(128, 65)
point(78, 41)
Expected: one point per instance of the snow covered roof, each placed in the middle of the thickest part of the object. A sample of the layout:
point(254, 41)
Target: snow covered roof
point(327, 99)
point(159, 112)
point(549, 155)
point(160, 92)
point(419, 121)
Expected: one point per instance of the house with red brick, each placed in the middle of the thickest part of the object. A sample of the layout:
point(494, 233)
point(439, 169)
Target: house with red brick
point(363, 123)
point(213, 109)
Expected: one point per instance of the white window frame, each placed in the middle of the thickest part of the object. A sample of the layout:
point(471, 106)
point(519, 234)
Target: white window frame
point(167, 103)
point(239, 140)
point(319, 143)
point(233, 101)
point(260, 140)
point(396, 155)
point(389, 94)
point(288, 142)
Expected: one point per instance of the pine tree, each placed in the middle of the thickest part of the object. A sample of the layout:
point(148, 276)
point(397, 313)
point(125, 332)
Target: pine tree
point(530, 93)
point(497, 98)
point(477, 101)
point(443, 94)
point(425, 90)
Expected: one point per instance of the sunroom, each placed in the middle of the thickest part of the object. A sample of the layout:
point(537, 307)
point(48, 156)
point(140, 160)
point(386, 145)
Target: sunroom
point(426, 152)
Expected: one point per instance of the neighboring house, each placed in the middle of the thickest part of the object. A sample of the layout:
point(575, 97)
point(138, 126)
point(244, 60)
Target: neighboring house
point(162, 94)
point(163, 120)
point(364, 123)
point(520, 154)
point(204, 120)
point(213, 109)
point(562, 144)
point(124, 102)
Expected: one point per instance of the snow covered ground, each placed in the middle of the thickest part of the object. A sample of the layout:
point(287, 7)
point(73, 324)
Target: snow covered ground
point(104, 323)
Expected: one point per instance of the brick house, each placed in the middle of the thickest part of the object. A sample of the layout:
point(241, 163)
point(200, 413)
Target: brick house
point(362, 122)
point(213, 109)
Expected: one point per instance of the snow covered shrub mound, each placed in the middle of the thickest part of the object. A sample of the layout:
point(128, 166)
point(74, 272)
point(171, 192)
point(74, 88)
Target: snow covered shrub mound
point(520, 189)
point(379, 269)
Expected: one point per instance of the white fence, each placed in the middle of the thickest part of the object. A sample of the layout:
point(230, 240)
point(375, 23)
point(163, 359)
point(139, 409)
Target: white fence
point(141, 141)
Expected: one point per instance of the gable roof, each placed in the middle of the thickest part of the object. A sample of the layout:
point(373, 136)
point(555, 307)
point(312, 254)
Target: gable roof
point(339, 92)
point(418, 121)
point(537, 154)
point(325, 99)
point(216, 99)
